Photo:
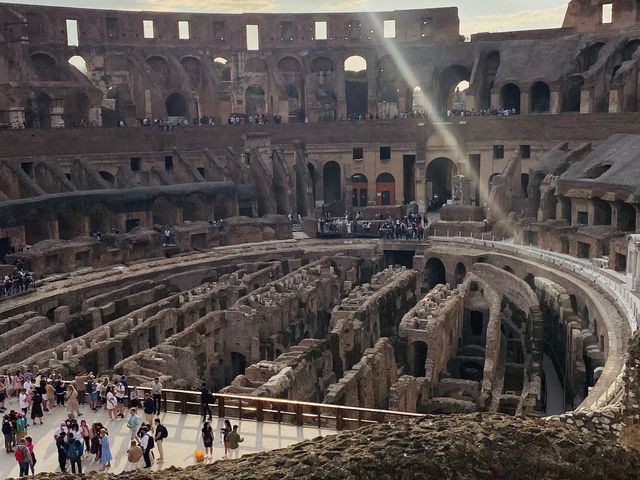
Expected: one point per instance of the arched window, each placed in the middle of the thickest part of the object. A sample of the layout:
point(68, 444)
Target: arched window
point(385, 189)
point(360, 186)
point(356, 87)
point(510, 97)
point(540, 97)
point(332, 183)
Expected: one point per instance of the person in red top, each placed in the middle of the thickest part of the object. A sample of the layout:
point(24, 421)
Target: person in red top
point(28, 442)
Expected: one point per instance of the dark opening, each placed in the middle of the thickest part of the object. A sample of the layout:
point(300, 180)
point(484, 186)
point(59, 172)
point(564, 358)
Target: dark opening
point(385, 153)
point(131, 224)
point(420, 352)
point(510, 97)
point(540, 97)
point(408, 177)
point(136, 163)
point(621, 262)
point(525, 151)
point(435, 273)
point(583, 218)
point(238, 364)
point(201, 172)
point(168, 162)
point(439, 174)
point(153, 341)
point(176, 105)
point(332, 182)
point(584, 250)
point(460, 273)
point(358, 153)
point(476, 321)
point(498, 151)
point(524, 181)
point(27, 167)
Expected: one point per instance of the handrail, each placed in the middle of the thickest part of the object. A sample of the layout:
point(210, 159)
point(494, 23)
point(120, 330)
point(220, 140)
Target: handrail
point(256, 407)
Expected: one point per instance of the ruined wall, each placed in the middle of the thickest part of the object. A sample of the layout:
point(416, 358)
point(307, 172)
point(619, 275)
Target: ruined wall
point(367, 384)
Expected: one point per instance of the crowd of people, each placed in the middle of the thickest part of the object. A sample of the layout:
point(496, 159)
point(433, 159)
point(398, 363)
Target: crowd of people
point(78, 441)
point(409, 227)
point(17, 281)
point(402, 115)
point(496, 112)
point(258, 119)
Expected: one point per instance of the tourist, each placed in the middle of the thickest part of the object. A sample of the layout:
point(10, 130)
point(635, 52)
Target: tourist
point(205, 399)
point(134, 456)
point(36, 406)
point(96, 441)
point(234, 439)
point(133, 421)
point(225, 431)
point(7, 432)
point(147, 444)
point(23, 457)
point(3, 390)
point(112, 403)
point(21, 426)
point(207, 440)
point(119, 391)
point(28, 442)
point(51, 395)
point(105, 449)
point(148, 406)
point(85, 433)
point(156, 391)
point(61, 445)
point(60, 431)
point(160, 434)
point(75, 449)
point(58, 386)
point(92, 391)
point(23, 401)
point(71, 400)
point(134, 397)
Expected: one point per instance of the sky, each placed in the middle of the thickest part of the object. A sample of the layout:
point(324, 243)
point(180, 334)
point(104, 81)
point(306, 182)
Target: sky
point(475, 15)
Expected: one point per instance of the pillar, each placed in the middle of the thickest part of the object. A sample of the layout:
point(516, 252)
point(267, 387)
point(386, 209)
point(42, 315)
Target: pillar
point(615, 100)
point(524, 103)
point(586, 100)
point(554, 102)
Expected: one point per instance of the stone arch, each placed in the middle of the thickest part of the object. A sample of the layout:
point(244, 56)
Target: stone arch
point(459, 274)
point(540, 97)
point(45, 67)
point(440, 172)
point(434, 273)
point(99, 218)
point(389, 85)
point(76, 108)
point(80, 64)
point(332, 182)
point(385, 189)
point(629, 49)
point(255, 65)
point(294, 103)
point(601, 212)
point(255, 100)
point(70, 223)
point(36, 228)
point(449, 81)
point(37, 111)
point(176, 105)
point(571, 93)
point(322, 65)
point(360, 186)
point(165, 212)
point(508, 269)
point(107, 176)
point(510, 97)
point(159, 68)
point(589, 56)
point(223, 68)
point(195, 208)
point(326, 103)
point(356, 86)
point(191, 66)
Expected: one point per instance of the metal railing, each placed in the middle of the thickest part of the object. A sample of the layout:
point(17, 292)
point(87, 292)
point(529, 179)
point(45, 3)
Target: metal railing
point(277, 410)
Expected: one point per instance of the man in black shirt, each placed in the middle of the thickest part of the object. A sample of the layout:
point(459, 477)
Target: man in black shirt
point(205, 398)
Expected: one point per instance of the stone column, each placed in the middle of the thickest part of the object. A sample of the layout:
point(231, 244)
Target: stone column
point(554, 102)
point(633, 262)
point(524, 103)
point(615, 100)
point(586, 100)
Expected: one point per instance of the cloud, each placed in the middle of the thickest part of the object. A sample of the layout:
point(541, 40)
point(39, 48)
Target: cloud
point(346, 5)
point(206, 6)
point(522, 20)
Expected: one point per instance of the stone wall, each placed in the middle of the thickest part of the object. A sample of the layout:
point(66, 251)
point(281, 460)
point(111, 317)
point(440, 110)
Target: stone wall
point(368, 383)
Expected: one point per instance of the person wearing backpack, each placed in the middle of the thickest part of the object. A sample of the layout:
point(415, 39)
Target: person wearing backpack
point(147, 444)
point(75, 449)
point(160, 434)
point(23, 457)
